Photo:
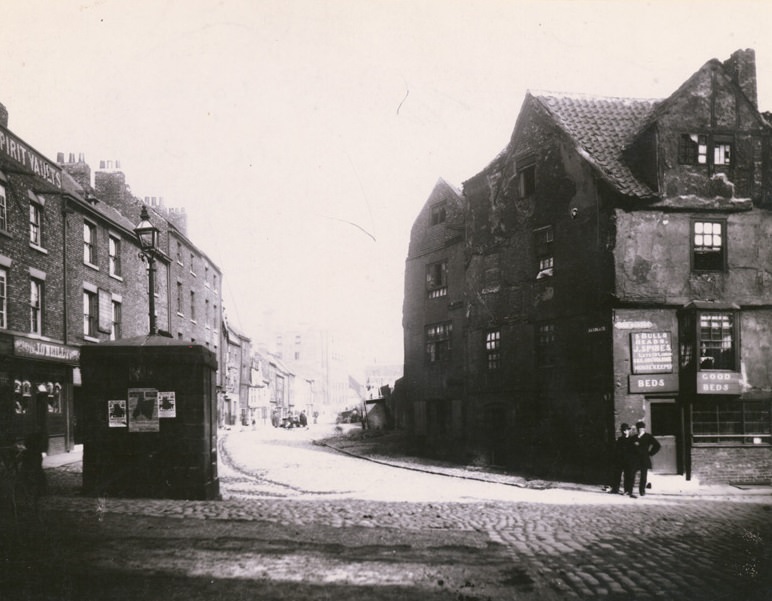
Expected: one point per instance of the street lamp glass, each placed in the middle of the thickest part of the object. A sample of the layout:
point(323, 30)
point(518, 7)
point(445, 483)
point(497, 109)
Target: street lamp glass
point(146, 232)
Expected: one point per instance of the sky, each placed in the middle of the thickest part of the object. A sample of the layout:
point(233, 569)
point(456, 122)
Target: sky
point(304, 136)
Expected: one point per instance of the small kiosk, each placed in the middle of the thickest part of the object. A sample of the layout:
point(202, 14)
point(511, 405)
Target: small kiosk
point(148, 416)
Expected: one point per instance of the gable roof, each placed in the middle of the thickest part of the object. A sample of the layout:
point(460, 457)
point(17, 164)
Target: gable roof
point(602, 127)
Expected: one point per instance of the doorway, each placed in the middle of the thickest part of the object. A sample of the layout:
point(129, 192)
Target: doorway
point(665, 426)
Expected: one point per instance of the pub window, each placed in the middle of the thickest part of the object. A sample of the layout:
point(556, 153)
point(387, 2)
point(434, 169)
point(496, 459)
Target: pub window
point(544, 238)
point(526, 181)
point(438, 214)
point(3, 298)
point(437, 279)
point(708, 245)
point(89, 313)
point(493, 350)
point(114, 251)
point(717, 341)
point(3, 209)
point(89, 243)
point(116, 331)
point(35, 224)
point(545, 345)
point(35, 306)
point(721, 420)
point(438, 343)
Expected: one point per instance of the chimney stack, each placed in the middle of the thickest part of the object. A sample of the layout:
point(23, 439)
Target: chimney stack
point(3, 115)
point(742, 67)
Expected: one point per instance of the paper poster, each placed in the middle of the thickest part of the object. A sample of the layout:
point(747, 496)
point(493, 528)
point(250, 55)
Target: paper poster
point(167, 404)
point(116, 414)
point(143, 410)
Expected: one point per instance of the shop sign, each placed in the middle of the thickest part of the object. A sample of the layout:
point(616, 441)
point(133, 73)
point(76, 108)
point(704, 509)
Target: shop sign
point(19, 152)
point(651, 352)
point(653, 383)
point(37, 349)
point(719, 382)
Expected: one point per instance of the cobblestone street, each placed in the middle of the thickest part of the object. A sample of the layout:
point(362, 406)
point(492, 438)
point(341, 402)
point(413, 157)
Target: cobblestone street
point(302, 521)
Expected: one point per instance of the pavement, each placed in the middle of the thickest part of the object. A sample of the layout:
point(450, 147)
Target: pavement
point(386, 448)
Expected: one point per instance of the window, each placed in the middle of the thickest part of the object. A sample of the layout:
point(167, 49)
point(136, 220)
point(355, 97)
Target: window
point(693, 149)
point(89, 243)
point(493, 349)
point(722, 153)
point(207, 315)
point(437, 279)
point(717, 420)
point(206, 276)
point(179, 298)
point(544, 251)
point(35, 306)
point(192, 270)
point(526, 181)
point(3, 298)
point(89, 313)
point(438, 214)
point(192, 306)
point(438, 344)
point(545, 345)
point(114, 250)
point(708, 247)
point(717, 336)
point(116, 330)
point(179, 252)
point(3, 209)
point(35, 224)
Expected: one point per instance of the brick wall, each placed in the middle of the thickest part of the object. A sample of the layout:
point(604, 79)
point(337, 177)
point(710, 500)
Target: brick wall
point(747, 464)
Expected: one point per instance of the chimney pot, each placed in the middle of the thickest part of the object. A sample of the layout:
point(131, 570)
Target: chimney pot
point(60, 157)
point(3, 115)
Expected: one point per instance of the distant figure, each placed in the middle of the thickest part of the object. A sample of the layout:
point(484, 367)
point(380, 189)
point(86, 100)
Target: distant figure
point(303, 420)
point(31, 473)
point(645, 446)
point(623, 462)
point(316, 416)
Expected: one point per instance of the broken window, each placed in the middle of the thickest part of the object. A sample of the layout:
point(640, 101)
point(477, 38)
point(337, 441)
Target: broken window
point(544, 238)
point(493, 349)
point(437, 279)
point(438, 342)
point(526, 181)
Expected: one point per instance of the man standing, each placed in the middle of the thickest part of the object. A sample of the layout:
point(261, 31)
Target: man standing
point(624, 462)
point(645, 446)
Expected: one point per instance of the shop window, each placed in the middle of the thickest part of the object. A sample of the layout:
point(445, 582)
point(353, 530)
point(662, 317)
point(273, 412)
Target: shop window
point(438, 341)
point(3, 209)
point(717, 341)
point(708, 245)
point(437, 279)
point(90, 314)
point(545, 345)
point(544, 239)
point(438, 214)
point(493, 350)
point(526, 181)
point(89, 243)
point(3, 298)
point(35, 306)
point(716, 421)
point(114, 250)
point(35, 224)
point(116, 331)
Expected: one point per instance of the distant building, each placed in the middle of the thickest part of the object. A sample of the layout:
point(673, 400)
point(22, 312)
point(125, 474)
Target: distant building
point(610, 265)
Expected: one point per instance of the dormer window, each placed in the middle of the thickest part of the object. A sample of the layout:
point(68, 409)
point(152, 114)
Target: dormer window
point(693, 149)
point(438, 214)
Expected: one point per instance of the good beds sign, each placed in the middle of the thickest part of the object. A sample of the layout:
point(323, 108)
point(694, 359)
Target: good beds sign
point(718, 382)
point(19, 152)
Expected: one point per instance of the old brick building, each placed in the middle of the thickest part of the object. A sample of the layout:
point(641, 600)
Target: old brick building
point(70, 275)
point(611, 264)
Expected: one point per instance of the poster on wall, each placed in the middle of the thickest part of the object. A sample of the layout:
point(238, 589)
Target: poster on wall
point(143, 410)
point(116, 414)
point(167, 404)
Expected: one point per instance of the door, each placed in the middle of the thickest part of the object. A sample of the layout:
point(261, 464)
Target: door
point(665, 428)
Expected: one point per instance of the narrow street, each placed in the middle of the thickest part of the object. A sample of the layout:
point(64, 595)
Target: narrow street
point(301, 521)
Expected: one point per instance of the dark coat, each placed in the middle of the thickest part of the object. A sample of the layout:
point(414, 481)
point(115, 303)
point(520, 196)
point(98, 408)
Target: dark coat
point(624, 452)
point(645, 447)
